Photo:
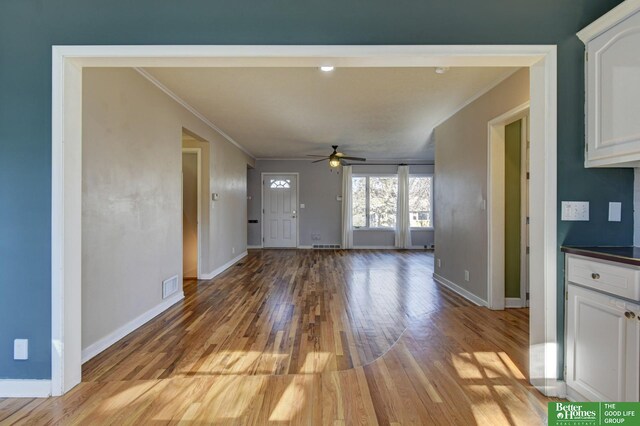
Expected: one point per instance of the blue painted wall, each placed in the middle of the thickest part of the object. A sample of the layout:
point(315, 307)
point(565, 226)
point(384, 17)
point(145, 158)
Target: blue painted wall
point(28, 29)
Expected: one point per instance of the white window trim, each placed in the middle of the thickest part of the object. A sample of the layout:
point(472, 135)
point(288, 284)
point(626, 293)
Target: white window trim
point(389, 229)
point(369, 228)
point(433, 181)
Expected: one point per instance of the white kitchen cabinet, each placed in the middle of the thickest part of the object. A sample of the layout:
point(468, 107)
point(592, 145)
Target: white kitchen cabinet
point(612, 67)
point(603, 338)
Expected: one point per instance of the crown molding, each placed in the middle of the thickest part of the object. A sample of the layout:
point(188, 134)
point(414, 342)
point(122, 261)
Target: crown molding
point(477, 95)
point(191, 109)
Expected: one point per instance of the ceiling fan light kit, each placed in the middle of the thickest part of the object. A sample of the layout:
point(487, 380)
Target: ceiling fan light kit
point(335, 158)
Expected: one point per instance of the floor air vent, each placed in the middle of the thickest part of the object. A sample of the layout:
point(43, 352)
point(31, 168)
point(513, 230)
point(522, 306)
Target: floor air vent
point(326, 246)
point(169, 286)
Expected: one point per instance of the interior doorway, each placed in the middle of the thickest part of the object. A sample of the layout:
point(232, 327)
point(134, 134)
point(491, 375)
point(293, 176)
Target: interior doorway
point(190, 212)
point(508, 209)
point(69, 61)
point(516, 234)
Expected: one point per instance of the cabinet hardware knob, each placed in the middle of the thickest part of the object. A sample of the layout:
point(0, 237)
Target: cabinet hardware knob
point(595, 276)
point(629, 315)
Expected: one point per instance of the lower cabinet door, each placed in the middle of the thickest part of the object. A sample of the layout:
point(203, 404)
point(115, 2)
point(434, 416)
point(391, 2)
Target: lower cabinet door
point(602, 346)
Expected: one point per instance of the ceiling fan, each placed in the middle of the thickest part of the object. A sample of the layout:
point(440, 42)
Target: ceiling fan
point(335, 158)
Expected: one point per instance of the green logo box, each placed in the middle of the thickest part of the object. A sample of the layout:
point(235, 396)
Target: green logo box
point(594, 413)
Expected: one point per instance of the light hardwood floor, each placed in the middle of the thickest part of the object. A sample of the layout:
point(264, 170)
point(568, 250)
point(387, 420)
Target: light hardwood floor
point(309, 337)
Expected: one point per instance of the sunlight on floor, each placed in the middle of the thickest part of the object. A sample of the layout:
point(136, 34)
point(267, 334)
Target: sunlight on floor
point(292, 400)
point(230, 397)
point(465, 366)
point(488, 412)
point(485, 365)
point(123, 399)
point(236, 362)
point(315, 362)
point(495, 401)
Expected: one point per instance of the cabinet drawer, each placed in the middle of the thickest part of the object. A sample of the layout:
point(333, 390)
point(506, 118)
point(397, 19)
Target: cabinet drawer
point(613, 279)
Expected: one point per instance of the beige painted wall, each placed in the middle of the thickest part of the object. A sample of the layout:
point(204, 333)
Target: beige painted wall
point(461, 185)
point(131, 219)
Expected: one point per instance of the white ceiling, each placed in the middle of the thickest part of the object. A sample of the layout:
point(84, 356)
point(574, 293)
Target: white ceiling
point(377, 113)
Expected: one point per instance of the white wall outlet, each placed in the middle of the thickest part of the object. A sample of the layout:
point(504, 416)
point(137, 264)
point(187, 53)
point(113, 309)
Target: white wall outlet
point(615, 212)
point(439, 263)
point(21, 349)
point(233, 250)
point(575, 211)
point(338, 197)
point(466, 275)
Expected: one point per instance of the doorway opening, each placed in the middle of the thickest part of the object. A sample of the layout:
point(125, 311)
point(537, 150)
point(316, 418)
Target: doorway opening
point(508, 209)
point(191, 188)
point(67, 68)
point(517, 144)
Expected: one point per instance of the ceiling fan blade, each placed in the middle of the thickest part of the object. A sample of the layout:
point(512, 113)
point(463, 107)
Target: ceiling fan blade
point(323, 156)
point(322, 159)
point(353, 158)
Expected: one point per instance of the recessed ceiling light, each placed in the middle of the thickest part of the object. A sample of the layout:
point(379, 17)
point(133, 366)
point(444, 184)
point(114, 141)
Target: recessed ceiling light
point(326, 68)
point(441, 70)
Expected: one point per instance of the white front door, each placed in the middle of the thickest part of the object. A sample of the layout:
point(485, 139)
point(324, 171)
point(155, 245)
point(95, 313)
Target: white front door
point(280, 213)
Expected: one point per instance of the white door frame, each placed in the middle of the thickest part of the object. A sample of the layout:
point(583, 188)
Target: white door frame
point(66, 165)
point(262, 176)
point(496, 204)
point(198, 152)
point(524, 211)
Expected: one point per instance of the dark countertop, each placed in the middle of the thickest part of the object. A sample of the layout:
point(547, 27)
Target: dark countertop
point(628, 254)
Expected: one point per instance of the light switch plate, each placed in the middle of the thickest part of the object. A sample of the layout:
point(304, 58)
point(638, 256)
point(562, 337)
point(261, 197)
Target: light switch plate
point(302, 206)
point(615, 212)
point(575, 211)
point(21, 349)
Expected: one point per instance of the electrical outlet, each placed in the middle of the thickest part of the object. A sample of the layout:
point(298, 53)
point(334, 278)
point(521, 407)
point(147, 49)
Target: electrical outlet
point(439, 263)
point(21, 349)
point(466, 275)
point(233, 250)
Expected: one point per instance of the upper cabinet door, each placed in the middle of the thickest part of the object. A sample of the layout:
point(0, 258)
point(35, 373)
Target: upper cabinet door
point(613, 92)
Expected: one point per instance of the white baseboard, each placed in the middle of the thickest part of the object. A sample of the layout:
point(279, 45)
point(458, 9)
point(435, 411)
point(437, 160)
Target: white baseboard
point(513, 302)
point(575, 396)
point(253, 247)
point(305, 247)
point(10, 388)
point(387, 248)
point(461, 291)
point(551, 387)
point(374, 248)
point(102, 344)
point(224, 267)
